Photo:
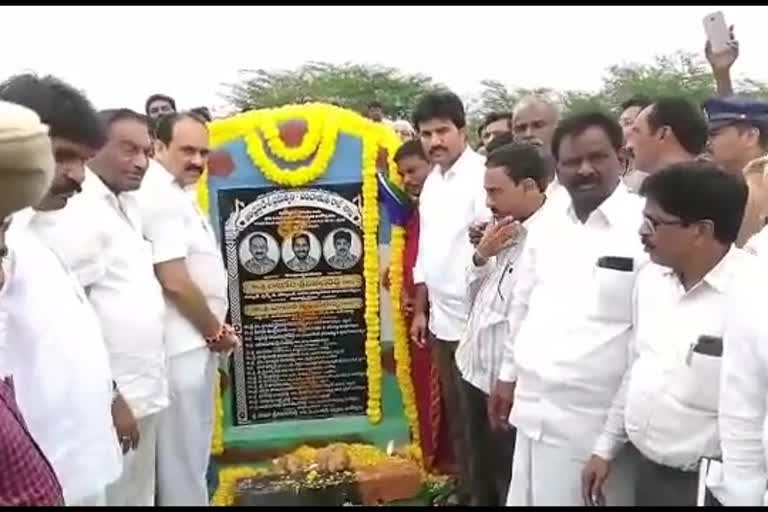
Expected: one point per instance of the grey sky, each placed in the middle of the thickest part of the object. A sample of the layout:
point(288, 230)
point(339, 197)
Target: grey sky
point(121, 54)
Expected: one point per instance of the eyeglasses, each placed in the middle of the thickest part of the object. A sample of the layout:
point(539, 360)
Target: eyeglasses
point(652, 224)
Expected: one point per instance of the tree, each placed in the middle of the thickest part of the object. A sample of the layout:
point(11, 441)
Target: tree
point(348, 85)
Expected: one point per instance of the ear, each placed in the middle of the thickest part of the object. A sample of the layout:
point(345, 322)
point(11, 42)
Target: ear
point(705, 228)
point(529, 185)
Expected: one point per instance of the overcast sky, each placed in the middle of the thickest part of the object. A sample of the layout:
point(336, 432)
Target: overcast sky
point(121, 54)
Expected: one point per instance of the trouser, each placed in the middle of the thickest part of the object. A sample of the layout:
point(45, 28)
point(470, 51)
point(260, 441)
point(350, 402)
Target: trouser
point(493, 461)
point(665, 486)
point(136, 485)
point(549, 475)
point(94, 500)
point(185, 430)
point(450, 384)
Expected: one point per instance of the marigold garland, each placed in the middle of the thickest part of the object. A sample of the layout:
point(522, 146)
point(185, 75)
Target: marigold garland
point(228, 478)
point(400, 330)
point(324, 123)
point(217, 443)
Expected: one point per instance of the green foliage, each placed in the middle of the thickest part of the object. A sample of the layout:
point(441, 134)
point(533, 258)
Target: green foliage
point(348, 85)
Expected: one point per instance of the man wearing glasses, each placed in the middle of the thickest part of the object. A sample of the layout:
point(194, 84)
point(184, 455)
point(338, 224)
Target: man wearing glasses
point(668, 406)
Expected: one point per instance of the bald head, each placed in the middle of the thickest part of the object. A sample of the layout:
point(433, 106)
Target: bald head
point(534, 119)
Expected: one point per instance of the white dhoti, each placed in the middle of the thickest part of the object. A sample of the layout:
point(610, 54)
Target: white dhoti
point(547, 475)
point(136, 485)
point(185, 430)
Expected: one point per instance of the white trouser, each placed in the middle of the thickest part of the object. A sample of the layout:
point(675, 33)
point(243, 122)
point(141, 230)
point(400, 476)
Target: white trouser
point(136, 485)
point(94, 500)
point(546, 475)
point(185, 430)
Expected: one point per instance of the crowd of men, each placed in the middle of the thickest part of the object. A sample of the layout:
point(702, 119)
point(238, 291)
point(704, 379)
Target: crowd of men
point(585, 292)
point(112, 304)
point(589, 295)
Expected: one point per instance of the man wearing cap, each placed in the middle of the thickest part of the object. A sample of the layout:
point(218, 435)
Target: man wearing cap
point(738, 130)
point(54, 343)
point(26, 169)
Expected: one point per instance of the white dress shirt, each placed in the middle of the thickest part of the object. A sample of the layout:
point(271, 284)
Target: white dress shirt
point(449, 204)
point(743, 419)
point(98, 236)
point(672, 391)
point(573, 321)
point(177, 229)
point(758, 243)
point(489, 293)
point(56, 354)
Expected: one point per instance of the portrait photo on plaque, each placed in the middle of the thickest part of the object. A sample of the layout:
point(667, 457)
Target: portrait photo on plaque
point(259, 253)
point(342, 249)
point(301, 251)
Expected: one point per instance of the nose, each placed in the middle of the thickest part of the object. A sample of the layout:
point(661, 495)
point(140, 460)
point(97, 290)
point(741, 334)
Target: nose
point(645, 229)
point(585, 169)
point(141, 161)
point(76, 172)
point(197, 159)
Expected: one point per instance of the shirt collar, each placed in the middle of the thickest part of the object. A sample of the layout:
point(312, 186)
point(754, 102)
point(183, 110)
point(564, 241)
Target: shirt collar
point(612, 209)
point(719, 276)
point(459, 164)
point(94, 185)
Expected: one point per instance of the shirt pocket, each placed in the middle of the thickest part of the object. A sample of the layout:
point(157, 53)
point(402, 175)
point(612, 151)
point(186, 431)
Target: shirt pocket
point(613, 297)
point(697, 385)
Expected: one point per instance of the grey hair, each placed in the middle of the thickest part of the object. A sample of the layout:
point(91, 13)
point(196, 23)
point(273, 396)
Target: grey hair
point(538, 99)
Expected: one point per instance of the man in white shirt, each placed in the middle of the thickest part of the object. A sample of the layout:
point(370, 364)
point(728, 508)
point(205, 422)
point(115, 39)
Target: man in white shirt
point(451, 200)
point(98, 236)
point(515, 179)
point(692, 216)
point(54, 342)
point(534, 119)
point(190, 270)
point(669, 131)
point(571, 320)
point(743, 412)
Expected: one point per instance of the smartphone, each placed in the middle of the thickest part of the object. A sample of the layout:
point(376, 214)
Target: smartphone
point(717, 31)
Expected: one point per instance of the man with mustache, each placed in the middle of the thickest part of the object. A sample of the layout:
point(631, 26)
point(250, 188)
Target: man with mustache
point(515, 180)
point(494, 124)
point(113, 262)
point(301, 261)
point(452, 199)
point(630, 109)
point(260, 263)
point(59, 361)
point(669, 131)
point(26, 169)
point(571, 321)
point(189, 267)
point(692, 215)
point(738, 131)
point(343, 259)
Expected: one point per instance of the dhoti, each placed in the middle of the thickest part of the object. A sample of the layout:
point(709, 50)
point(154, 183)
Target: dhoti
point(548, 475)
point(185, 430)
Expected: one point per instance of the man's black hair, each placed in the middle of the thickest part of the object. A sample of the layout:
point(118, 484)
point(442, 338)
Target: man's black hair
point(342, 235)
point(113, 115)
point(67, 112)
point(375, 104)
point(520, 161)
point(259, 236)
point(694, 191)
point(159, 97)
point(492, 118)
point(440, 105)
point(164, 126)
point(579, 123)
point(300, 235)
point(203, 112)
point(684, 119)
point(638, 100)
point(410, 148)
point(499, 140)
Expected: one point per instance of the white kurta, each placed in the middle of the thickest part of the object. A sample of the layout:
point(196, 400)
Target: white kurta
point(177, 229)
point(56, 354)
point(571, 348)
point(98, 236)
